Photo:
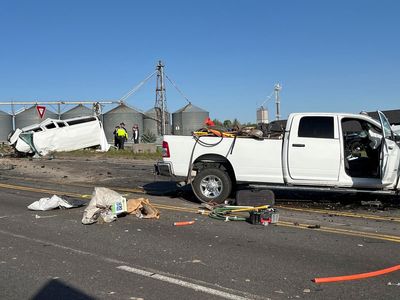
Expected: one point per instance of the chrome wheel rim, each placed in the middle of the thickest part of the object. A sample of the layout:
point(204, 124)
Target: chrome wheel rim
point(211, 186)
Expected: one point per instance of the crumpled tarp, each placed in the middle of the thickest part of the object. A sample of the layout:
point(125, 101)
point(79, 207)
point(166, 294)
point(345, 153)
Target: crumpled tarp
point(54, 202)
point(142, 208)
point(100, 205)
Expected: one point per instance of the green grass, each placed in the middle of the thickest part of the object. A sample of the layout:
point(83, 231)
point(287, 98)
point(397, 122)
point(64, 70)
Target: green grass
point(112, 153)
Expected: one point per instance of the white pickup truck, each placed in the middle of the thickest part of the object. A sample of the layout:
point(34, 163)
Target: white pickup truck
point(332, 151)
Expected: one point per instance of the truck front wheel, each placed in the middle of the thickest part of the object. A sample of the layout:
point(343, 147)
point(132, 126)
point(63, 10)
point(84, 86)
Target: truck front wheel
point(212, 185)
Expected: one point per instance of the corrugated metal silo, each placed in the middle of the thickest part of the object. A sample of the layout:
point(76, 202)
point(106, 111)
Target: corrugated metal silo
point(30, 116)
point(149, 121)
point(151, 124)
point(262, 115)
point(5, 125)
point(77, 111)
point(125, 114)
point(188, 119)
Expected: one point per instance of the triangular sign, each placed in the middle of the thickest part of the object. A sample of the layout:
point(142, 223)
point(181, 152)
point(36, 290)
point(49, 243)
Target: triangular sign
point(41, 110)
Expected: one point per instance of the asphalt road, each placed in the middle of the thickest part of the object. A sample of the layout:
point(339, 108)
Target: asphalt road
point(51, 255)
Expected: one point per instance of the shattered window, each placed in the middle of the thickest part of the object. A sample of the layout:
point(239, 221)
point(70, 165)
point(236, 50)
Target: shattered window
point(80, 121)
point(51, 126)
point(316, 127)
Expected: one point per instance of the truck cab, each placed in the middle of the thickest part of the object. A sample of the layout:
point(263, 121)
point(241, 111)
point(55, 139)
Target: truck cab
point(340, 150)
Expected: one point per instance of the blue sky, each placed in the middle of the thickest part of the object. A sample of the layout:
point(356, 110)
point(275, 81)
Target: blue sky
point(225, 56)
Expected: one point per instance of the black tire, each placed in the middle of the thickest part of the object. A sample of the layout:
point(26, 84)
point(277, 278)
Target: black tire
point(212, 185)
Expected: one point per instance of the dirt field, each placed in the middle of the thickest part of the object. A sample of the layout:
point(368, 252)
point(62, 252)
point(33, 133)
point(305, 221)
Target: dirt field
point(97, 171)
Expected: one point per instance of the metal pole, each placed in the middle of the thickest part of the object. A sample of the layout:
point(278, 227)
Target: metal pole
point(162, 98)
point(13, 115)
point(277, 89)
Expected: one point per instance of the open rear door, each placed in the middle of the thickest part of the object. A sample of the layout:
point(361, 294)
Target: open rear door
point(390, 154)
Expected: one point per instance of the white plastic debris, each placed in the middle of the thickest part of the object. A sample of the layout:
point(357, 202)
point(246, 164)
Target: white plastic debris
point(44, 217)
point(102, 201)
point(50, 203)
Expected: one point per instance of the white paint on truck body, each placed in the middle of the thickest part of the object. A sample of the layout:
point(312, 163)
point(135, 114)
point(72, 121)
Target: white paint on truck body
point(300, 159)
point(247, 157)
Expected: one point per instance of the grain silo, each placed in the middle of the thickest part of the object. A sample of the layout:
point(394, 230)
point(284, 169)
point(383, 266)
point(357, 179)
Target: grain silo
point(122, 114)
point(5, 125)
point(262, 115)
point(151, 124)
point(77, 111)
point(30, 116)
point(188, 119)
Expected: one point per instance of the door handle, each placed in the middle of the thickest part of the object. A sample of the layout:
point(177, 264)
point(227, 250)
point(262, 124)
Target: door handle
point(298, 145)
point(390, 147)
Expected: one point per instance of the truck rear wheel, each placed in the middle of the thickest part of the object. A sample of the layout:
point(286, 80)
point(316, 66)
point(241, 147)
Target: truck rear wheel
point(212, 185)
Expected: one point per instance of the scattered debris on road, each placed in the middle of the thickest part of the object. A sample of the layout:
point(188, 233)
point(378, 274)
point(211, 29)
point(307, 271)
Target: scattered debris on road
point(101, 204)
point(106, 205)
point(374, 203)
point(184, 223)
point(44, 217)
point(260, 215)
point(54, 202)
point(142, 208)
point(316, 226)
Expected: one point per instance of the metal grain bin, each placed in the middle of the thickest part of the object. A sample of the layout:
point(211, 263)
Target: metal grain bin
point(150, 121)
point(262, 115)
point(5, 125)
point(125, 114)
point(188, 119)
point(30, 116)
point(77, 111)
point(151, 124)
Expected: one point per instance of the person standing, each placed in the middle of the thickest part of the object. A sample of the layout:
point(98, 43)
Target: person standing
point(122, 136)
point(135, 133)
point(115, 136)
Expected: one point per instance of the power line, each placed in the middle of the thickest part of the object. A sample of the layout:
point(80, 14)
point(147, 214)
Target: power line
point(176, 87)
point(137, 87)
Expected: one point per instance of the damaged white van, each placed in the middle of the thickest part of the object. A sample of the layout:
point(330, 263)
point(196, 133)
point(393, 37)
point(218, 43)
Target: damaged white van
point(54, 135)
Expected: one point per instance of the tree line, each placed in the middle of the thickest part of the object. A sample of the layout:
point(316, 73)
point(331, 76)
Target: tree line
point(229, 124)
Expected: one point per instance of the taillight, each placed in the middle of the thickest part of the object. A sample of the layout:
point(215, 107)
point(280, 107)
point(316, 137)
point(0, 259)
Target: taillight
point(165, 149)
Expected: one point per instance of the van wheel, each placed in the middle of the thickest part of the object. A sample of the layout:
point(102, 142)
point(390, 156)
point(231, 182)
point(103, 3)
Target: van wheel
point(212, 185)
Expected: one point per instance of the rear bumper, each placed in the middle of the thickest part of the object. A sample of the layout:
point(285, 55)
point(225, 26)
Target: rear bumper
point(163, 168)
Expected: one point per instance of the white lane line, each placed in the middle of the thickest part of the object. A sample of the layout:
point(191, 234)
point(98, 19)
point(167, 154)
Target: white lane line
point(193, 286)
point(151, 273)
point(77, 251)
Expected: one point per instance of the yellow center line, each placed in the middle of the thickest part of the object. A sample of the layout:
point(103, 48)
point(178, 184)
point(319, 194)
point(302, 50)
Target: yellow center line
point(45, 191)
point(342, 214)
point(309, 210)
point(392, 238)
point(85, 196)
point(371, 235)
point(131, 190)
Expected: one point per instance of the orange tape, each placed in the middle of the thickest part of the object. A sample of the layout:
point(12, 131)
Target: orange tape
point(357, 276)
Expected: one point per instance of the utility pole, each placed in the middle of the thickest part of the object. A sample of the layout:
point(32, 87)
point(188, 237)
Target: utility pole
point(161, 105)
point(277, 89)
